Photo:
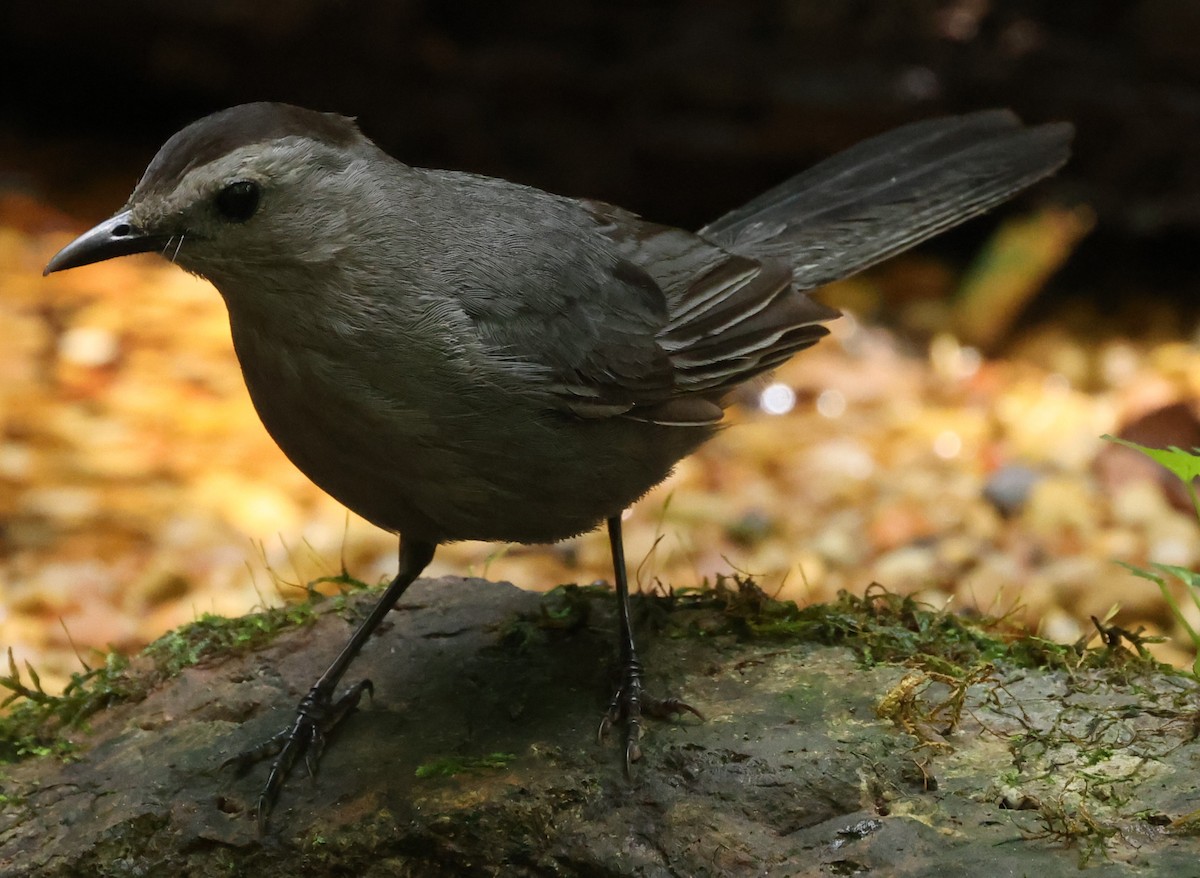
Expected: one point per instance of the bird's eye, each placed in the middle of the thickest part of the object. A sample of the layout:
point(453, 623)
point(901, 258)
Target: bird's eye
point(238, 201)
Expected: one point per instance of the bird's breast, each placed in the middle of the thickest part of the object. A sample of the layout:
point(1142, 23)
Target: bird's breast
point(439, 456)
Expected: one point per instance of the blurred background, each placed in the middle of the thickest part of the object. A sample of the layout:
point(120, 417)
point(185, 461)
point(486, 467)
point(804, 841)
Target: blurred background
point(944, 442)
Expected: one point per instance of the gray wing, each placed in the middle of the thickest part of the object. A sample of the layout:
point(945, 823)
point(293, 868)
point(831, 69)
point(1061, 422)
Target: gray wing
point(550, 303)
point(614, 316)
point(730, 316)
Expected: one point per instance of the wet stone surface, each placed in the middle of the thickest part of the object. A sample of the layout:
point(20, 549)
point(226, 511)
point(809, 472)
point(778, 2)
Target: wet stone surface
point(478, 756)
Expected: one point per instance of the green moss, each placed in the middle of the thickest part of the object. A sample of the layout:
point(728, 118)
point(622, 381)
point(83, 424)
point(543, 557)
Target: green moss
point(886, 628)
point(213, 636)
point(563, 609)
point(881, 627)
point(449, 766)
point(35, 721)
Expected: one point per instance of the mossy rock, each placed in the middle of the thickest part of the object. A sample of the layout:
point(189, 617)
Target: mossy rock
point(870, 736)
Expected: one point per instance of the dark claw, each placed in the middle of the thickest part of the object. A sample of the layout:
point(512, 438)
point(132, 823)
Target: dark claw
point(630, 704)
point(247, 758)
point(667, 708)
point(316, 717)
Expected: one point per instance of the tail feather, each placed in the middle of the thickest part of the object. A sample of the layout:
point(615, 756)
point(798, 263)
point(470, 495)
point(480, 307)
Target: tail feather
point(735, 296)
point(891, 193)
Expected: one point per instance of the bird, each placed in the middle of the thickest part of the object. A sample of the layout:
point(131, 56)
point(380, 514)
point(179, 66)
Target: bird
point(454, 357)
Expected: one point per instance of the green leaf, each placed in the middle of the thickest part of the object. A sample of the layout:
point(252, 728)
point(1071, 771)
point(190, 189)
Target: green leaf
point(1184, 464)
point(1143, 573)
point(1188, 577)
point(1191, 577)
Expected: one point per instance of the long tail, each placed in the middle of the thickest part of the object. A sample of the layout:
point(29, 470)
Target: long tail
point(892, 192)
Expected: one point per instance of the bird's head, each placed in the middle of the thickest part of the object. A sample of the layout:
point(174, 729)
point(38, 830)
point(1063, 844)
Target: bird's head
point(247, 187)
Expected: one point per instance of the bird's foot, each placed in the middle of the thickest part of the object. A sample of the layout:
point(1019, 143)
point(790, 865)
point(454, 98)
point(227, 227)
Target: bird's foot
point(629, 704)
point(317, 715)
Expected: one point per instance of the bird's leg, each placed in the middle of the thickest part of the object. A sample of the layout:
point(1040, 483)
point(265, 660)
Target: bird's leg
point(630, 703)
point(318, 712)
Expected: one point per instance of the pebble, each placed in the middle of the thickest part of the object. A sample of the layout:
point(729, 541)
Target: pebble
point(1009, 487)
point(1060, 627)
point(993, 585)
point(843, 464)
point(1140, 503)
point(907, 568)
point(1180, 548)
point(897, 523)
point(957, 551)
point(89, 346)
point(69, 505)
point(839, 540)
point(1062, 509)
point(16, 461)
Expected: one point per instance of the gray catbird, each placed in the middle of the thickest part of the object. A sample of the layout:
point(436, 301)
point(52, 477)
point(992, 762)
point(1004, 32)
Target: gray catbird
point(456, 357)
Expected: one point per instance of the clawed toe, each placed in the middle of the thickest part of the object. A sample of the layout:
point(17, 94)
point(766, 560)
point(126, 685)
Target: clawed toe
point(667, 708)
point(629, 705)
point(316, 717)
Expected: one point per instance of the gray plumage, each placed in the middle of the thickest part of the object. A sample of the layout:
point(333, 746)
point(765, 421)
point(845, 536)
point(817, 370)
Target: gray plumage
point(458, 357)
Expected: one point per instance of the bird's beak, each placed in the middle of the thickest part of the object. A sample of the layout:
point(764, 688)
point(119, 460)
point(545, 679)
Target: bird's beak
point(116, 236)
